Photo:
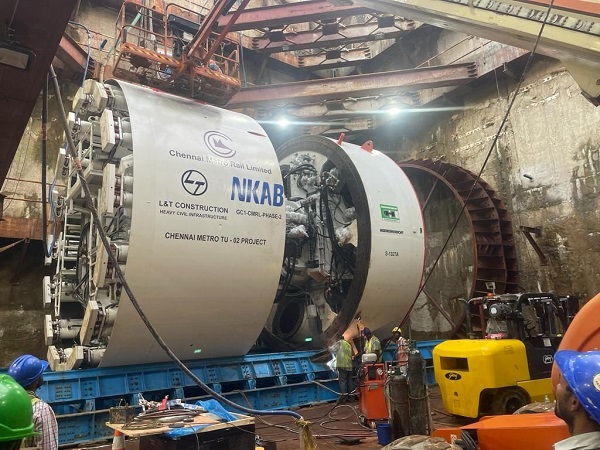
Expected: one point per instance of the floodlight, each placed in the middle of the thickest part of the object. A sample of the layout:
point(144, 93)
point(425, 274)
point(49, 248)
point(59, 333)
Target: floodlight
point(15, 55)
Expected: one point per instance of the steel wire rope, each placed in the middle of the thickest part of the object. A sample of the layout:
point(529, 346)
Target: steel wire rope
point(339, 419)
point(125, 284)
point(12, 18)
point(492, 146)
point(9, 246)
point(47, 196)
point(89, 47)
point(357, 433)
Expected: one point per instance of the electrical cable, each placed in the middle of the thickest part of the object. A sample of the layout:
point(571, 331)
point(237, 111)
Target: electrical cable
point(468, 441)
point(242, 59)
point(489, 154)
point(47, 249)
point(289, 274)
point(89, 47)
point(46, 197)
point(116, 266)
point(12, 18)
point(337, 250)
point(9, 246)
point(308, 167)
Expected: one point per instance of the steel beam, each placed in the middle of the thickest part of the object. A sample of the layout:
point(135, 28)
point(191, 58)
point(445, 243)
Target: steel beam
point(393, 82)
point(334, 128)
point(320, 38)
point(487, 56)
point(571, 33)
point(39, 27)
point(333, 109)
point(71, 54)
point(331, 117)
point(323, 60)
point(335, 58)
point(281, 15)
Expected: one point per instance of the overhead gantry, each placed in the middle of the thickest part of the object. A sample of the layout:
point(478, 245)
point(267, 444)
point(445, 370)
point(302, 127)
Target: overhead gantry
point(571, 32)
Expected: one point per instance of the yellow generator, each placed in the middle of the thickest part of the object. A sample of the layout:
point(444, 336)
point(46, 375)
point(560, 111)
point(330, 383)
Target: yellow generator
point(507, 362)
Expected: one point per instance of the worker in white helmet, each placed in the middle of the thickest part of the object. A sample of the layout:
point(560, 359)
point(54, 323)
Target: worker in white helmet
point(403, 347)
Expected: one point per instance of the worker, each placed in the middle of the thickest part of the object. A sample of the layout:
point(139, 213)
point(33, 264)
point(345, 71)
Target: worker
point(372, 344)
point(343, 355)
point(28, 371)
point(578, 398)
point(402, 350)
point(16, 414)
point(213, 65)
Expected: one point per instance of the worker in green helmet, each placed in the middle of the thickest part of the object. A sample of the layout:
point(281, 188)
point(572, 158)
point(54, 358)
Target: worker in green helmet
point(16, 414)
point(28, 371)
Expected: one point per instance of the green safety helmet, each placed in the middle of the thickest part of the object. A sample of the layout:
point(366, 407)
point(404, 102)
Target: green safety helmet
point(16, 412)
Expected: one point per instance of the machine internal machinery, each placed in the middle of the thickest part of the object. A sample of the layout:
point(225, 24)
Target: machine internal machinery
point(508, 360)
point(223, 240)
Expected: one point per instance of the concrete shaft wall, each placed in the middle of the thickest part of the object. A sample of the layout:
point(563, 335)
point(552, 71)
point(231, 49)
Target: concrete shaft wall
point(545, 167)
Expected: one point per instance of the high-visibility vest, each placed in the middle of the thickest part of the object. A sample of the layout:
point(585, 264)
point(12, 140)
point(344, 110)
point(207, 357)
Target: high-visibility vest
point(29, 442)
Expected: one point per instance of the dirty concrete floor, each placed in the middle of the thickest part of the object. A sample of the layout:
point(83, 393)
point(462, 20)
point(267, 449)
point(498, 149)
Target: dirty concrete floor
point(334, 426)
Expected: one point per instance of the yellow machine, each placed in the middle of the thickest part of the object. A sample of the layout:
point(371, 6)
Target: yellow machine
point(507, 364)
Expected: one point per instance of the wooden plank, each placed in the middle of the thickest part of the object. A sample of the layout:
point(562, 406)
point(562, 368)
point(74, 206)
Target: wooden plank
point(20, 227)
point(211, 420)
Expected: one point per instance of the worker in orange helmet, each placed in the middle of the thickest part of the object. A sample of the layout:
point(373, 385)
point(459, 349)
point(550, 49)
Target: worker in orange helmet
point(578, 398)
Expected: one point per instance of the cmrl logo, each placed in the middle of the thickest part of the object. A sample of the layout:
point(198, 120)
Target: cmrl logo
point(220, 144)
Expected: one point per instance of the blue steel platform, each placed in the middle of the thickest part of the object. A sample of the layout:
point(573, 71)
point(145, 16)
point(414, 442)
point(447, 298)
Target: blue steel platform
point(81, 398)
point(426, 349)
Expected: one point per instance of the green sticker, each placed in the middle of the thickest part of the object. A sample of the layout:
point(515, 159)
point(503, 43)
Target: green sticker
point(389, 212)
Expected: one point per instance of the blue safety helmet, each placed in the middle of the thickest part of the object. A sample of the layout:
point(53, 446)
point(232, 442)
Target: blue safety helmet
point(26, 369)
point(581, 370)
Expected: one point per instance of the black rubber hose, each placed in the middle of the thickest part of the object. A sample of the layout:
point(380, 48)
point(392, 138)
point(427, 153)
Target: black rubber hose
point(47, 251)
point(331, 232)
point(119, 271)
